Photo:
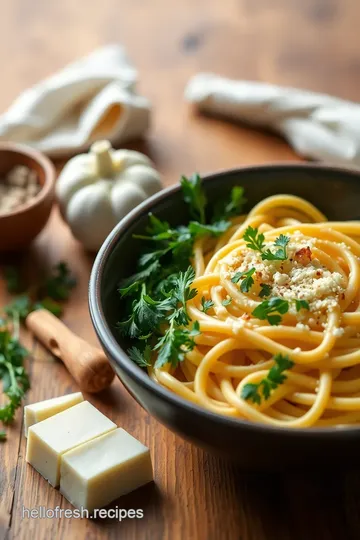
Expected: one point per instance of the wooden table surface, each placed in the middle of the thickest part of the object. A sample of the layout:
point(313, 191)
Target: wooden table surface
point(308, 43)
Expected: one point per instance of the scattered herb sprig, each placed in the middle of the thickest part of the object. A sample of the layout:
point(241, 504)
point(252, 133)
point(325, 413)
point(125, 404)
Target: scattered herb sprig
point(15, 380)
point(256, 242)
point(247, 281)
point(155, 296)
point(255, 392)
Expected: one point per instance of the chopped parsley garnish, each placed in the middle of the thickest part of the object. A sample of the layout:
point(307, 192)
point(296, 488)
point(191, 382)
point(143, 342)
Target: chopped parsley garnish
point(280, 254)
point(247, 280)
point(262, 390)
point(271, 310)
point(141, 358)
point(154, 298)
point(301, 304)
point(265, 290)
point(206, 304)
point(255, 241)
point(194, 196)
point(227, 301)
point(12, 372)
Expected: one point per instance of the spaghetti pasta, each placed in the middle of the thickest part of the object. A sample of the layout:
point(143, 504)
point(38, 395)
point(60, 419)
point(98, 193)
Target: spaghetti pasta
point(318, 282)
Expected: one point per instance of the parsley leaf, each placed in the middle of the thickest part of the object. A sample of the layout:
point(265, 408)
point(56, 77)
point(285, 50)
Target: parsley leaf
point(206, 304)
point(265, 290)
point(247, 280)
point(254, 239)
point(216, 229)
point(271, 310)
point(301, 304)
point(229, 209)
point(194, 196)
point(280, 254)
point(19, 308)
point(175, 343)
point(48, 303)
point(227, 301)
point(262, 390)
point(59, 285)
point(13, 374)
point(141, 358)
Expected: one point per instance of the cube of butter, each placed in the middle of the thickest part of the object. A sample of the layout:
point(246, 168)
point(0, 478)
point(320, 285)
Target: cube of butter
point(50, 439)
point(37, 412)
point(98, 472)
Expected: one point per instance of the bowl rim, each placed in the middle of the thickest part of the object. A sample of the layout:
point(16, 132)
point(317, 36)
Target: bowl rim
point(45, 164)
point(120, 356)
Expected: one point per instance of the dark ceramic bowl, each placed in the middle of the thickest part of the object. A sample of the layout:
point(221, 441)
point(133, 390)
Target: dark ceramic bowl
point(337, 193)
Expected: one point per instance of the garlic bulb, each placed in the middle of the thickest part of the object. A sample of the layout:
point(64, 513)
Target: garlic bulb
point(96, 190)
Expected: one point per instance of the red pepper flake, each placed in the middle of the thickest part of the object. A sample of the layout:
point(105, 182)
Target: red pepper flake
point(245, 316)
point(303, 256)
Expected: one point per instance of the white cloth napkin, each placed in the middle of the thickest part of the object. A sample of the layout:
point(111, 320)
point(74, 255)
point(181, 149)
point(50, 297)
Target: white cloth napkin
point(317, 126)
point(93, 98)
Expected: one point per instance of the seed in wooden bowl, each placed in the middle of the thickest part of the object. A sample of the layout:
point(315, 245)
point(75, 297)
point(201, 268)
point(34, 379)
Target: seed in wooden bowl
point(18, 187)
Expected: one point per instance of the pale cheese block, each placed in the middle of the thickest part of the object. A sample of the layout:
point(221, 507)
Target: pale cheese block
point(37, 412)
point(50, 439)
point(100, 471)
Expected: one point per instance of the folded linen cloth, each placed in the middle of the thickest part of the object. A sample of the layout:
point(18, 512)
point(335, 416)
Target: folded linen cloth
point(90, 99)
point(317, 126)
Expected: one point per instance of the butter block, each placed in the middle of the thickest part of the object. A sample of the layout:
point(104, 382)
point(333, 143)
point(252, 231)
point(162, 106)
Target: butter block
point(50, 439)
point(100, 471)
point(37, 412)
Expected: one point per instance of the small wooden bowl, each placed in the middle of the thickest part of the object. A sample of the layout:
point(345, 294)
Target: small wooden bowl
point(19, 227)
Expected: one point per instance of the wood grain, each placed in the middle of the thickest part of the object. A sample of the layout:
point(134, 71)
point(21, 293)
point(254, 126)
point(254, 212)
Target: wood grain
point(311, 44)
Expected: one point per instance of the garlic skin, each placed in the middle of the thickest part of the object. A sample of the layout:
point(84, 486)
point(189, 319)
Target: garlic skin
point(96, 190)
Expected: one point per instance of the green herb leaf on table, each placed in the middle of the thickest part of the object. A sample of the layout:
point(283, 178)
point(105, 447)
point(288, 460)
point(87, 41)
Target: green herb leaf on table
point(301, 304)
point(271, 310)
point(48, 303)
point(275, 377)
point(265, 290)
point(247, 280)
point(206, 304)
point(59, 285)
point(2, 435)
point(19, 308)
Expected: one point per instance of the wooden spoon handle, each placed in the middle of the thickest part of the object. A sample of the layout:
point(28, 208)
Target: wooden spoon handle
point(87, 364)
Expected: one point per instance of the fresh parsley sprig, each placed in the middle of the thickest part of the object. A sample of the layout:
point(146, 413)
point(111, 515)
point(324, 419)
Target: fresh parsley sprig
point(155, 297)
point(271, 310)
point(206, 304)
point(265, 290)
point(255, 392)
point(15, 380)
point(280, 254)
point(246, 278)
point(256, 242)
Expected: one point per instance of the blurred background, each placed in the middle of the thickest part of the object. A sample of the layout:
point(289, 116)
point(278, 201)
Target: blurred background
point(310, 44)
